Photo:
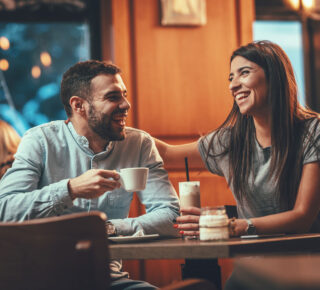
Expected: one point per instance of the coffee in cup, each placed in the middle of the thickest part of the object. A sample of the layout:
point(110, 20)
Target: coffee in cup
point(134, 179)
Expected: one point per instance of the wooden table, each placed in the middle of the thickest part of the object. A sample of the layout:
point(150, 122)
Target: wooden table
point(201, 257)
point(194, 249)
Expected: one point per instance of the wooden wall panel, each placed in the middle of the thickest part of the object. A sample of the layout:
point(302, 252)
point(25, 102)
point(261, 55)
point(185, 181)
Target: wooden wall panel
point(117, 44)
point(245, 15)
point(182, 72)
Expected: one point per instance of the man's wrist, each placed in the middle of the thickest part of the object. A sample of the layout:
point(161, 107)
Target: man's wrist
point(70, 191)
point(111, 229)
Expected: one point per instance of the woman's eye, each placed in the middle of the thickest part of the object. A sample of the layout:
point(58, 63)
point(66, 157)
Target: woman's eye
point(244, 72)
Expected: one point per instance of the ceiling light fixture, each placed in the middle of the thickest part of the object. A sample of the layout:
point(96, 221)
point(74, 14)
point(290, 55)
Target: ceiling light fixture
point(307, 8)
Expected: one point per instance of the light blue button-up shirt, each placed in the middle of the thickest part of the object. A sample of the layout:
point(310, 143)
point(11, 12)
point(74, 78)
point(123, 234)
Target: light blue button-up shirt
point(50, 154)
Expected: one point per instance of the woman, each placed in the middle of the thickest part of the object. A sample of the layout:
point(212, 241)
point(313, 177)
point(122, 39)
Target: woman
point(268, 148)
point(9, 141)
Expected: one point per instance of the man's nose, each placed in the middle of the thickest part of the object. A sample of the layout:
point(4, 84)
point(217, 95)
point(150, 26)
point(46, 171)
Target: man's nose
point(125, 104)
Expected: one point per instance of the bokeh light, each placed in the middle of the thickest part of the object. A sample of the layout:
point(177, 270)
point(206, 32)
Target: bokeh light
point(4, 43)
point(4, 64)
point(45, 58)
point(308, 4)
point(295, 4)
point(36, 72)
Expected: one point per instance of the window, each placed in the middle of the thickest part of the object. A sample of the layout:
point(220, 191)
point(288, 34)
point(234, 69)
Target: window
point(287, 34)
point(34, 54)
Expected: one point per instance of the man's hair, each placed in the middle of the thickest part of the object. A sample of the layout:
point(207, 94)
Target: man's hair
point(289, 126)
point(76, 81)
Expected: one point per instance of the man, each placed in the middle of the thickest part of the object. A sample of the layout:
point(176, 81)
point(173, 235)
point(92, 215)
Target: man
point(71, 166)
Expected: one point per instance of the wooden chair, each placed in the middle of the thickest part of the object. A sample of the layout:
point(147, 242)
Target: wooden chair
point(66, 252)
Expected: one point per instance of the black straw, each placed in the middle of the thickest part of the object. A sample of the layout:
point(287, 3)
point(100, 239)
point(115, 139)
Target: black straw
point(187, 167)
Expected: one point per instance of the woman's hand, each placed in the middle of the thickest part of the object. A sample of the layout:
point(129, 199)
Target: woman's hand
point(188, 222)
point(237, 227)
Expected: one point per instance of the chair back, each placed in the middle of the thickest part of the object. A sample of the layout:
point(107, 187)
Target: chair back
point(65, 252)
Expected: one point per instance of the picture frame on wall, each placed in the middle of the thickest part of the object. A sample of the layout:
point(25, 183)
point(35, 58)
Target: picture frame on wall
point(183, 12)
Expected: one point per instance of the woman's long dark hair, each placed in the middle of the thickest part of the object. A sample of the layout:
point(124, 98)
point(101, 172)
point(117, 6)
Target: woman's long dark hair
point(289, 127)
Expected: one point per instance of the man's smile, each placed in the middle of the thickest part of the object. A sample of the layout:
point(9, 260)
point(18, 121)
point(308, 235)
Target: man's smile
point(120, 119)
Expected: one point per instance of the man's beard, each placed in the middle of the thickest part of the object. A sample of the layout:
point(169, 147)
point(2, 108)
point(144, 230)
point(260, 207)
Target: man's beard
point(102, 125)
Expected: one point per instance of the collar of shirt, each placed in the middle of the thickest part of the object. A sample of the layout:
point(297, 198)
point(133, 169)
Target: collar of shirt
point(83, 142)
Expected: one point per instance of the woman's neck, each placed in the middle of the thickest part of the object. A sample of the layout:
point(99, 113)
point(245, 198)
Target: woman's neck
point(263, 130)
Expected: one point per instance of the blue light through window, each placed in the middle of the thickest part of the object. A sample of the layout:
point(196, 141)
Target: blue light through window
point(32, 68)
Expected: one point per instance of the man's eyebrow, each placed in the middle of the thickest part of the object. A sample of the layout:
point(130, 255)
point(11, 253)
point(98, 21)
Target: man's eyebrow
point(114, 92)
point(117, 92)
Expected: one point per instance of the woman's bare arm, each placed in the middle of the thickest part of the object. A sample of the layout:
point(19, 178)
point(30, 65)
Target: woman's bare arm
point(301, 217)
point(174, 155)
point(297, 220)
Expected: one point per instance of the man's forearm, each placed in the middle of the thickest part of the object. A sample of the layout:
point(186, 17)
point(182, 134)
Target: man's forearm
point(17, 205)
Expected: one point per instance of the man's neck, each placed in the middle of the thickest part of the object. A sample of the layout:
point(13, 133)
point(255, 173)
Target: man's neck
point(96, 143)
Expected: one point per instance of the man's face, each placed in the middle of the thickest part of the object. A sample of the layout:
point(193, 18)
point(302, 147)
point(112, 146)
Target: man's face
point(108, 107)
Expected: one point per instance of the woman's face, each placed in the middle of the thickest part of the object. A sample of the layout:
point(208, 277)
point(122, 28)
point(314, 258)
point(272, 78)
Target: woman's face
point(248, 86)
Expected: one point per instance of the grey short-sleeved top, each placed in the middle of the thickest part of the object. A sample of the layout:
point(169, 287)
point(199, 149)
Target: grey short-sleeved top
point(260, 199)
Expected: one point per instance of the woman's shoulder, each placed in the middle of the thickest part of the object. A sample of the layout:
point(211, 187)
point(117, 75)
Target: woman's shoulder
point(221, 133)
point(217, 139)
point(311, 140)
point(312, 127)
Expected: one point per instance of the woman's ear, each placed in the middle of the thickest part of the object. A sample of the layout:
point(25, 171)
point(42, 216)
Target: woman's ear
point(77, 105)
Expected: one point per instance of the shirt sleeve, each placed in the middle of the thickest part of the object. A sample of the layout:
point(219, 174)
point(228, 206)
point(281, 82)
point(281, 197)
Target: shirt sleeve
point(213, 163)
point(159, 197)
point(20, 197)
point(312, 143)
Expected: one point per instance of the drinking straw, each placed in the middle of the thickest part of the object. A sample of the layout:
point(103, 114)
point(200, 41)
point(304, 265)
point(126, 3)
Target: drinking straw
point(187, 167)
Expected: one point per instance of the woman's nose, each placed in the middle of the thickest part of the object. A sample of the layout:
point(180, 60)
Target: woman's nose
point(234, 84)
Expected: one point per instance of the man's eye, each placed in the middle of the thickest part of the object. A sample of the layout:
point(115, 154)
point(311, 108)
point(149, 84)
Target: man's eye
point(113, 98)
point(230, 79)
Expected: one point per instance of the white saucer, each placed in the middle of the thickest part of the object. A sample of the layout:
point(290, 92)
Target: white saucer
point(130, 239)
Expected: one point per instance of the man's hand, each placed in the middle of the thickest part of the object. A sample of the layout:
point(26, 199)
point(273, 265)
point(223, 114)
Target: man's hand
point(93, 183)
point(188, 222)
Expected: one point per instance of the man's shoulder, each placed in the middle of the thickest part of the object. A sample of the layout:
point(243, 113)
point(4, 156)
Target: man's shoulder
point(137, 133)
point(53, 126)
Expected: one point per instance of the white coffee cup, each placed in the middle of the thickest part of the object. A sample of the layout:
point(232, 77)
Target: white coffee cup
point(189, 192)
point(134, 179)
